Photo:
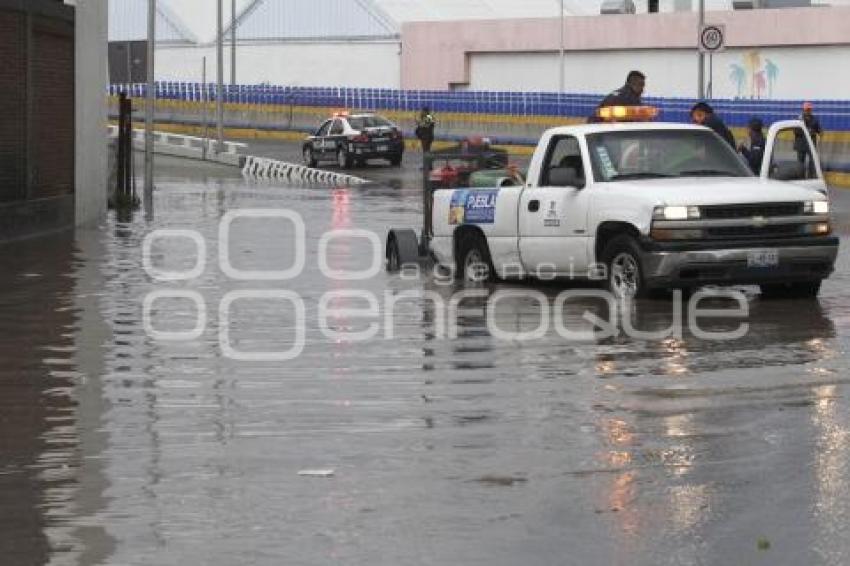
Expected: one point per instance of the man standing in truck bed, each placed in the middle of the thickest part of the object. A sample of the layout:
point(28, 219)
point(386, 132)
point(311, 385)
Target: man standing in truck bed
point(627, 95)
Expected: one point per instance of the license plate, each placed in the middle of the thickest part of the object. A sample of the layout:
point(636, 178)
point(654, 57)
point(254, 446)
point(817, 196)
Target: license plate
point(763, 258)
point(383, 148)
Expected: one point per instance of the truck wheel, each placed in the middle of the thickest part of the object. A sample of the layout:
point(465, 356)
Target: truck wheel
point(474, 264)
point(622, 257)
point(804, 290)
point(343, 159)
point(309, 158)
point(402, 249)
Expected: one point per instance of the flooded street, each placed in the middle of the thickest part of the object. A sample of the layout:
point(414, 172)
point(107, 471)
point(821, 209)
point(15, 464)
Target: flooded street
point(410, 447)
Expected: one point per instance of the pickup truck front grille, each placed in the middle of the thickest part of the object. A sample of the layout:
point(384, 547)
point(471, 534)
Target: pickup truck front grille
point(766, 210)
point(776, 231)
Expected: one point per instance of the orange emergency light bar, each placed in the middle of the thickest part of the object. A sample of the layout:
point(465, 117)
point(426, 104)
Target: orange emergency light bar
point(341, 114)
point(627, 113)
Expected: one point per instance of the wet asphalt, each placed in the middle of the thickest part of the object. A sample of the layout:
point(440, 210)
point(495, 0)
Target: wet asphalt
point(408, 448)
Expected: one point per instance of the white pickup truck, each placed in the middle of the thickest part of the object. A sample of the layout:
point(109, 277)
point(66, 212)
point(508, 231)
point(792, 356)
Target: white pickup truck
point(648, 206)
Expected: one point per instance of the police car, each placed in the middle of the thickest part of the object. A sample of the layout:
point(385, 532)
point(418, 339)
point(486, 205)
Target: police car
point(642, 206)
point(353, 139)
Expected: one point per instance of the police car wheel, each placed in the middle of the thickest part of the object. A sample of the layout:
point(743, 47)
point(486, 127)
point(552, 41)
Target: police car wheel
point(343, 159)
point(474, 264)
point(622, 258)
point(309, 158)
point(395, 160)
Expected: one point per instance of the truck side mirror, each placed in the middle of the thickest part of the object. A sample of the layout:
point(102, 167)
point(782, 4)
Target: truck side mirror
point(565, 177)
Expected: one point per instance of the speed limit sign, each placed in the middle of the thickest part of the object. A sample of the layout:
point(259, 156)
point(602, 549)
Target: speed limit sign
point(712, 38)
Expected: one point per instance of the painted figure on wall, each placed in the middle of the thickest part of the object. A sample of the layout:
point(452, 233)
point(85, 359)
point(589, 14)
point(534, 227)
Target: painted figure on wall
point(756, 77)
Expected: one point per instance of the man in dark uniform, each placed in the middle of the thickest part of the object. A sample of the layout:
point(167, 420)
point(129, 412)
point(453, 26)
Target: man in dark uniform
point(703, 114)
point(627, 95)
point(801, 146)
point(754, 152)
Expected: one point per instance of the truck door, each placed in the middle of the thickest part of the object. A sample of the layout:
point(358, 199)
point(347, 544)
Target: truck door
point(791, 156)
point(553, 212)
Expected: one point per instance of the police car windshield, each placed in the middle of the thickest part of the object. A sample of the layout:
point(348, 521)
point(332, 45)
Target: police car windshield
point(363, 122)
point(656, 154)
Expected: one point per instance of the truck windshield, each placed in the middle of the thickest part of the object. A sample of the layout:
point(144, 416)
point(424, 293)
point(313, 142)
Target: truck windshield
point(656, 154)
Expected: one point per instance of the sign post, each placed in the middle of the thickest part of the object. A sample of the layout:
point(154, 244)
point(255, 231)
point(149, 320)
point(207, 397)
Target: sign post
point(712, 39)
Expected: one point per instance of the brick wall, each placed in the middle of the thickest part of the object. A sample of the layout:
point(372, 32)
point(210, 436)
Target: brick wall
point(13, 106)
point(52, 61)
point(37, 100)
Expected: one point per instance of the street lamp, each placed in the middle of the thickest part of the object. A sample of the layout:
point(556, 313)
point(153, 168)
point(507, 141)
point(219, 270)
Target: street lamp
point(561, 74)
point(219, 102)
point(701, 58)
point(150, 100)
point(233, 43)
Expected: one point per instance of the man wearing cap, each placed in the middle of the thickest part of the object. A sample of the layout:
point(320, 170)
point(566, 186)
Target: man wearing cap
point(703, 114)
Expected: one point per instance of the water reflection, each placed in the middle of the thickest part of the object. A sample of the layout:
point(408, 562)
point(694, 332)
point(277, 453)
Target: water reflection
point(611, 450)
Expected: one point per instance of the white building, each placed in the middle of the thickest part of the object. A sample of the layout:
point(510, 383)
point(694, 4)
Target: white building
point(283, 42)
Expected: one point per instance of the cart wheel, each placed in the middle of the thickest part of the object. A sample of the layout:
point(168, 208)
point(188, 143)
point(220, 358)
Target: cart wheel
point(402, 249)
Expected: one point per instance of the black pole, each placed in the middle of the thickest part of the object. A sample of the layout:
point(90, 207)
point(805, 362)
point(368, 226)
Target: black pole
point(128, 148)
point(120, 189)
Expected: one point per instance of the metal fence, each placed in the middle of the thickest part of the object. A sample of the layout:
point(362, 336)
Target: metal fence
point(833, 114)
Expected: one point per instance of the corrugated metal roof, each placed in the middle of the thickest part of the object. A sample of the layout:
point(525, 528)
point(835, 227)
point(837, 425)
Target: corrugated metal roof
point(128, 21)
point(271, 20)
point(435, 10)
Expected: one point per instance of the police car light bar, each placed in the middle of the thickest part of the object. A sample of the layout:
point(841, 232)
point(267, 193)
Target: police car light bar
point(627, 113)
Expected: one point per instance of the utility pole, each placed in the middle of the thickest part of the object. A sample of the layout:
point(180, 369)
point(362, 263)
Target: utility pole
point(561, 60)
point(219, 102)
point(701, 70)
point(204, 104)
point(150, 101)
point(233, 43)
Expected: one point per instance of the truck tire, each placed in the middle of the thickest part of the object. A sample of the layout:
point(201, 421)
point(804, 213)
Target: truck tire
point(474, 264)
point(309, 157)
point(402, 249)
point(343, 159)
point(622, 258)
point(804, 290)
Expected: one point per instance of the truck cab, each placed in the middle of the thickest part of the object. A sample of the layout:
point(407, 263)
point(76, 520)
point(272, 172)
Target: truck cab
point(646, 206)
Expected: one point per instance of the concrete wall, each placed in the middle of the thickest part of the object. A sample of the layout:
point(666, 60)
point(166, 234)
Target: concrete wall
point(91, 110)
point(353, 64)
point(439, 55)
point(768, 73)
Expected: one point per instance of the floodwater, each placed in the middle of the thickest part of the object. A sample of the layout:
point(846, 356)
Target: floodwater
point(120, 447)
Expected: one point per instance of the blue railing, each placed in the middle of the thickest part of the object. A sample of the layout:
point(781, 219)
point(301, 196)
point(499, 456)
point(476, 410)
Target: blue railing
point(833, 114)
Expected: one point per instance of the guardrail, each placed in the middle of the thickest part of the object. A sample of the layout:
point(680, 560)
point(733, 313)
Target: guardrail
point(190, 147)
point(273, 170)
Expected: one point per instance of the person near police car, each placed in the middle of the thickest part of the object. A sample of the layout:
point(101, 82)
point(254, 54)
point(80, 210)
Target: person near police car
point(703, 114)
point(630, 94)
point(815, 131)
point(425, 126)
point(754, 152)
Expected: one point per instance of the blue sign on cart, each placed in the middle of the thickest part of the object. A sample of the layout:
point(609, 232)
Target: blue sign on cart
point(470, 206)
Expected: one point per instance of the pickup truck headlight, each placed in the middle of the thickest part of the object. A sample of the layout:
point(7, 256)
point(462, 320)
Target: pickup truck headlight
point(816, 207)
point(676, 213)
